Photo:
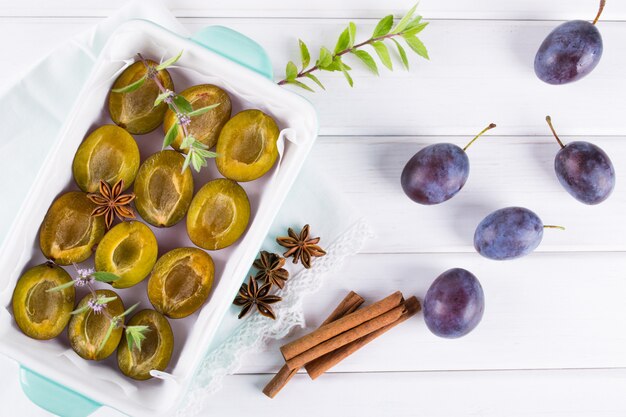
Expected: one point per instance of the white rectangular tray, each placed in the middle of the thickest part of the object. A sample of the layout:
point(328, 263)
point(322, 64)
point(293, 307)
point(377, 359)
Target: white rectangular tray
point(101, 381)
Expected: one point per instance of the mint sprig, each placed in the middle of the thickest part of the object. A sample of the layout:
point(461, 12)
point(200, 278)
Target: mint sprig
point(385, 34)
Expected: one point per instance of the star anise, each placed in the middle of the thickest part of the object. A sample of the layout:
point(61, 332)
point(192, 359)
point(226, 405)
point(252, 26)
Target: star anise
point(251, 295)
point(110, 202)
point(271, 269)
point(301, 246)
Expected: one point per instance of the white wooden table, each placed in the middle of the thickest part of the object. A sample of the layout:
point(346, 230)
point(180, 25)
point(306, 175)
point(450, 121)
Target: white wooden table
point(553, 338)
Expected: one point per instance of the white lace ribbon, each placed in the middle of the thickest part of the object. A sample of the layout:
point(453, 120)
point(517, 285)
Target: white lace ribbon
point(255, 331)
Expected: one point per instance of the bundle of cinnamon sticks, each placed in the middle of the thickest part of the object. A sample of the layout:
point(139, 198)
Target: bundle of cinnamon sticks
point(345, 331)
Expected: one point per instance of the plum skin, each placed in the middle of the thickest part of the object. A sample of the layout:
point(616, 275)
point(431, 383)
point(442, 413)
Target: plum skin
point(585, 171)
point(508, 233)
point(454, 304)
point(570, 52)
point(435, 174)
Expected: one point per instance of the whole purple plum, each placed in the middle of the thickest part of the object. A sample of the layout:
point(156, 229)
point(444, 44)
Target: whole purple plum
point(437, 172)
point(570, 52)
point(584, 170)
point(454, 304)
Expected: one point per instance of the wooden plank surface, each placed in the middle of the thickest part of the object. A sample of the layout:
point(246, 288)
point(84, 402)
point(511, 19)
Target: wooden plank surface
point(479, 72)
point(458, 9)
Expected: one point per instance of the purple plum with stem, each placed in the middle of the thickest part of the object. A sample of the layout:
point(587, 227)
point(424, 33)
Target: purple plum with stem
point(584, 170)
point(509, 233)
point(570, 52)
point(437, 172)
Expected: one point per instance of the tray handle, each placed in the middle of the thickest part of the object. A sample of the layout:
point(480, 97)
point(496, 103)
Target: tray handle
point(53, 397)
point(236, 47)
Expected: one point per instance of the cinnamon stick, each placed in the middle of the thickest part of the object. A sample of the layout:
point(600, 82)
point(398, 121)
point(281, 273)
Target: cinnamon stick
point(346, 337)
point(334, 329)
point(321, 365)
point(350, 303)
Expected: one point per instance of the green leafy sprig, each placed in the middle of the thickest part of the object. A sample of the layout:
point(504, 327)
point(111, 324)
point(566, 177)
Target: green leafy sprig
point(85, 277)
point(197, 152)
point(406, 29)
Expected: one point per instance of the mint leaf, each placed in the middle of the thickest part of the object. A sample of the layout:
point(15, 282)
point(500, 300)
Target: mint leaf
point(62, 286)
point(107, 335)
point(80, 310)
point(291, 72)
point(202, 110)
point(182, 104)
point(304, 54)
point(170, 136)
point(343, 41)
point(161, 97)
point(301, 85)
point(383, 54)
point(131, 87)
point(135, 335)
point(315, 80)
point(402, 24)
point(325, 59)
point(186, 162)
point(348, 77)
point(169, 62)
point(352, 31)
point(383, 27)
point(102, 300)
point(105, 276)
point(417, 46)
point(415, 30)
point(402, 52)
point(128, 310)
point(367, 59)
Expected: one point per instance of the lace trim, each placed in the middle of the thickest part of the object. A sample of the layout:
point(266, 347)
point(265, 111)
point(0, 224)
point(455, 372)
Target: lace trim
point(255, 331)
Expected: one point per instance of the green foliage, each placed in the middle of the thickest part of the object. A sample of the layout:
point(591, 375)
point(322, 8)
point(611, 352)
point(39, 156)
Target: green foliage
point(62, 286)
point(131, 87)
point(105, 276)
point(135, 335)
point(406, 28)
point(169, 62)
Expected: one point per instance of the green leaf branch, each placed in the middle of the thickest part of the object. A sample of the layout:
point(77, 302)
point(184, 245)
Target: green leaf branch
point(197, 152)
point(385, 34)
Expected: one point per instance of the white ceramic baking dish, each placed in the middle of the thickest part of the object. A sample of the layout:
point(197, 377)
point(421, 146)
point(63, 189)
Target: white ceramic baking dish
point(55, 377)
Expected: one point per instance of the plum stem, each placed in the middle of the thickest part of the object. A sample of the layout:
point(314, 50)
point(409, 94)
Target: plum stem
point(491, 126)
point(549, 120)
point(602, 4)
point(551, 226)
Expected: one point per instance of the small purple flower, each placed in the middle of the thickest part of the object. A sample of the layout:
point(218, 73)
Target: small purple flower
point(84, 276)
point(169, 99)
point(183, 119)
point(95, 306)
point(152, 71)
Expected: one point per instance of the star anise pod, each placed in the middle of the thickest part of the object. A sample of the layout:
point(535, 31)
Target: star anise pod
point(301, 246)
point(110, 202)
point(271, 269)
point(251, 295)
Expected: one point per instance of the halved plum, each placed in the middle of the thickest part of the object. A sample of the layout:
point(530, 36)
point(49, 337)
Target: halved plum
point(109, 154)
point(88, 330)
point(247, 146)
point(218, 215)
point(205, 127)
point(163, 192)
point(38, 313)
point(181, 282)
point(156, 349)
point(129, 250)
point(135, 111)
point(69, 231)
